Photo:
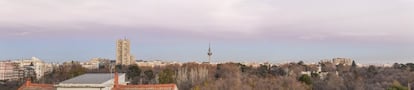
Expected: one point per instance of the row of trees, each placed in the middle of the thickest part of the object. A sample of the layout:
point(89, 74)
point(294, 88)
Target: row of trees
point(63, 72)
point(236, 76)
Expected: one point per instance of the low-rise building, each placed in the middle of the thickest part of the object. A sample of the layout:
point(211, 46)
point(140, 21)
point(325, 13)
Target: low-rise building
point(97, 81)
point(91, 81)
point(322, 74)
point(251, 64)
point(156, 63)
point(337, 61)
point(95, 63)
point(344, 61)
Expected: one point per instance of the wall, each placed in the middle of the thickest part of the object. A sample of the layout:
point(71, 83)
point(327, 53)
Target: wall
point(83, 88)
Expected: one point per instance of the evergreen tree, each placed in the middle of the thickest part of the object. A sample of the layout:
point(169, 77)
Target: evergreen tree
point(305, 79)
point(133, 71)
point(166, 76)
point(353, 64)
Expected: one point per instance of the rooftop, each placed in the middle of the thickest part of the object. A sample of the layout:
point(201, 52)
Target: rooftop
point(29, 86)
point(90, 78)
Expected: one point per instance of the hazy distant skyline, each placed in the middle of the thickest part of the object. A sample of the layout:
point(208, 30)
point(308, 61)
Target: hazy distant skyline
point(370, 31)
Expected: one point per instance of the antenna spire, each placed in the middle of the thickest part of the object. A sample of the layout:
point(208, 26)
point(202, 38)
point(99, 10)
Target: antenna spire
point(209, 53)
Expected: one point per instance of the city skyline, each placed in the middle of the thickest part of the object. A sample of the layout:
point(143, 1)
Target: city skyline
point(371, 31)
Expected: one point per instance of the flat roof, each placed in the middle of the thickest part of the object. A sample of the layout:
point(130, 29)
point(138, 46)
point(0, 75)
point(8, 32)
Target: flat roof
point(90, 78)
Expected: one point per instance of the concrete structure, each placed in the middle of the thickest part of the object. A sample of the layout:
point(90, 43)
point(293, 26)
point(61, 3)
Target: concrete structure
point(91, 81)
point(344, 61)
point(9, 70)
point(94, 63)
point(209, 53)
point(40, 67)
point(17, 70)
point(155, 63)
point(123, 56)
point(337, 61)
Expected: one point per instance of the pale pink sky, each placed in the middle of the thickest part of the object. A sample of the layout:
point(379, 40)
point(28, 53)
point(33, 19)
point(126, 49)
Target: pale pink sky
point(256, 23)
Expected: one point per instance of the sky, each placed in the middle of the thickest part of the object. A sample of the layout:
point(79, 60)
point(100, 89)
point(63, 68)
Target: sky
point(368, 31)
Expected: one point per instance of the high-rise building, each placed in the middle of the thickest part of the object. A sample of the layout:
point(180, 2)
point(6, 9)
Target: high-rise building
point(41, 68)
point(9, 70)
point(123, 56)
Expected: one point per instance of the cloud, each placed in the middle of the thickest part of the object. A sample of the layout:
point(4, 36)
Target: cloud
point(301, 19)
point(22, 33)
point(312, 37)
point(364, 34)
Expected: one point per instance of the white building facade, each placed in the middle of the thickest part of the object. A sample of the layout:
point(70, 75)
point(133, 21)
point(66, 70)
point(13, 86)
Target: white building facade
point(9, 70)
point(40, 67)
